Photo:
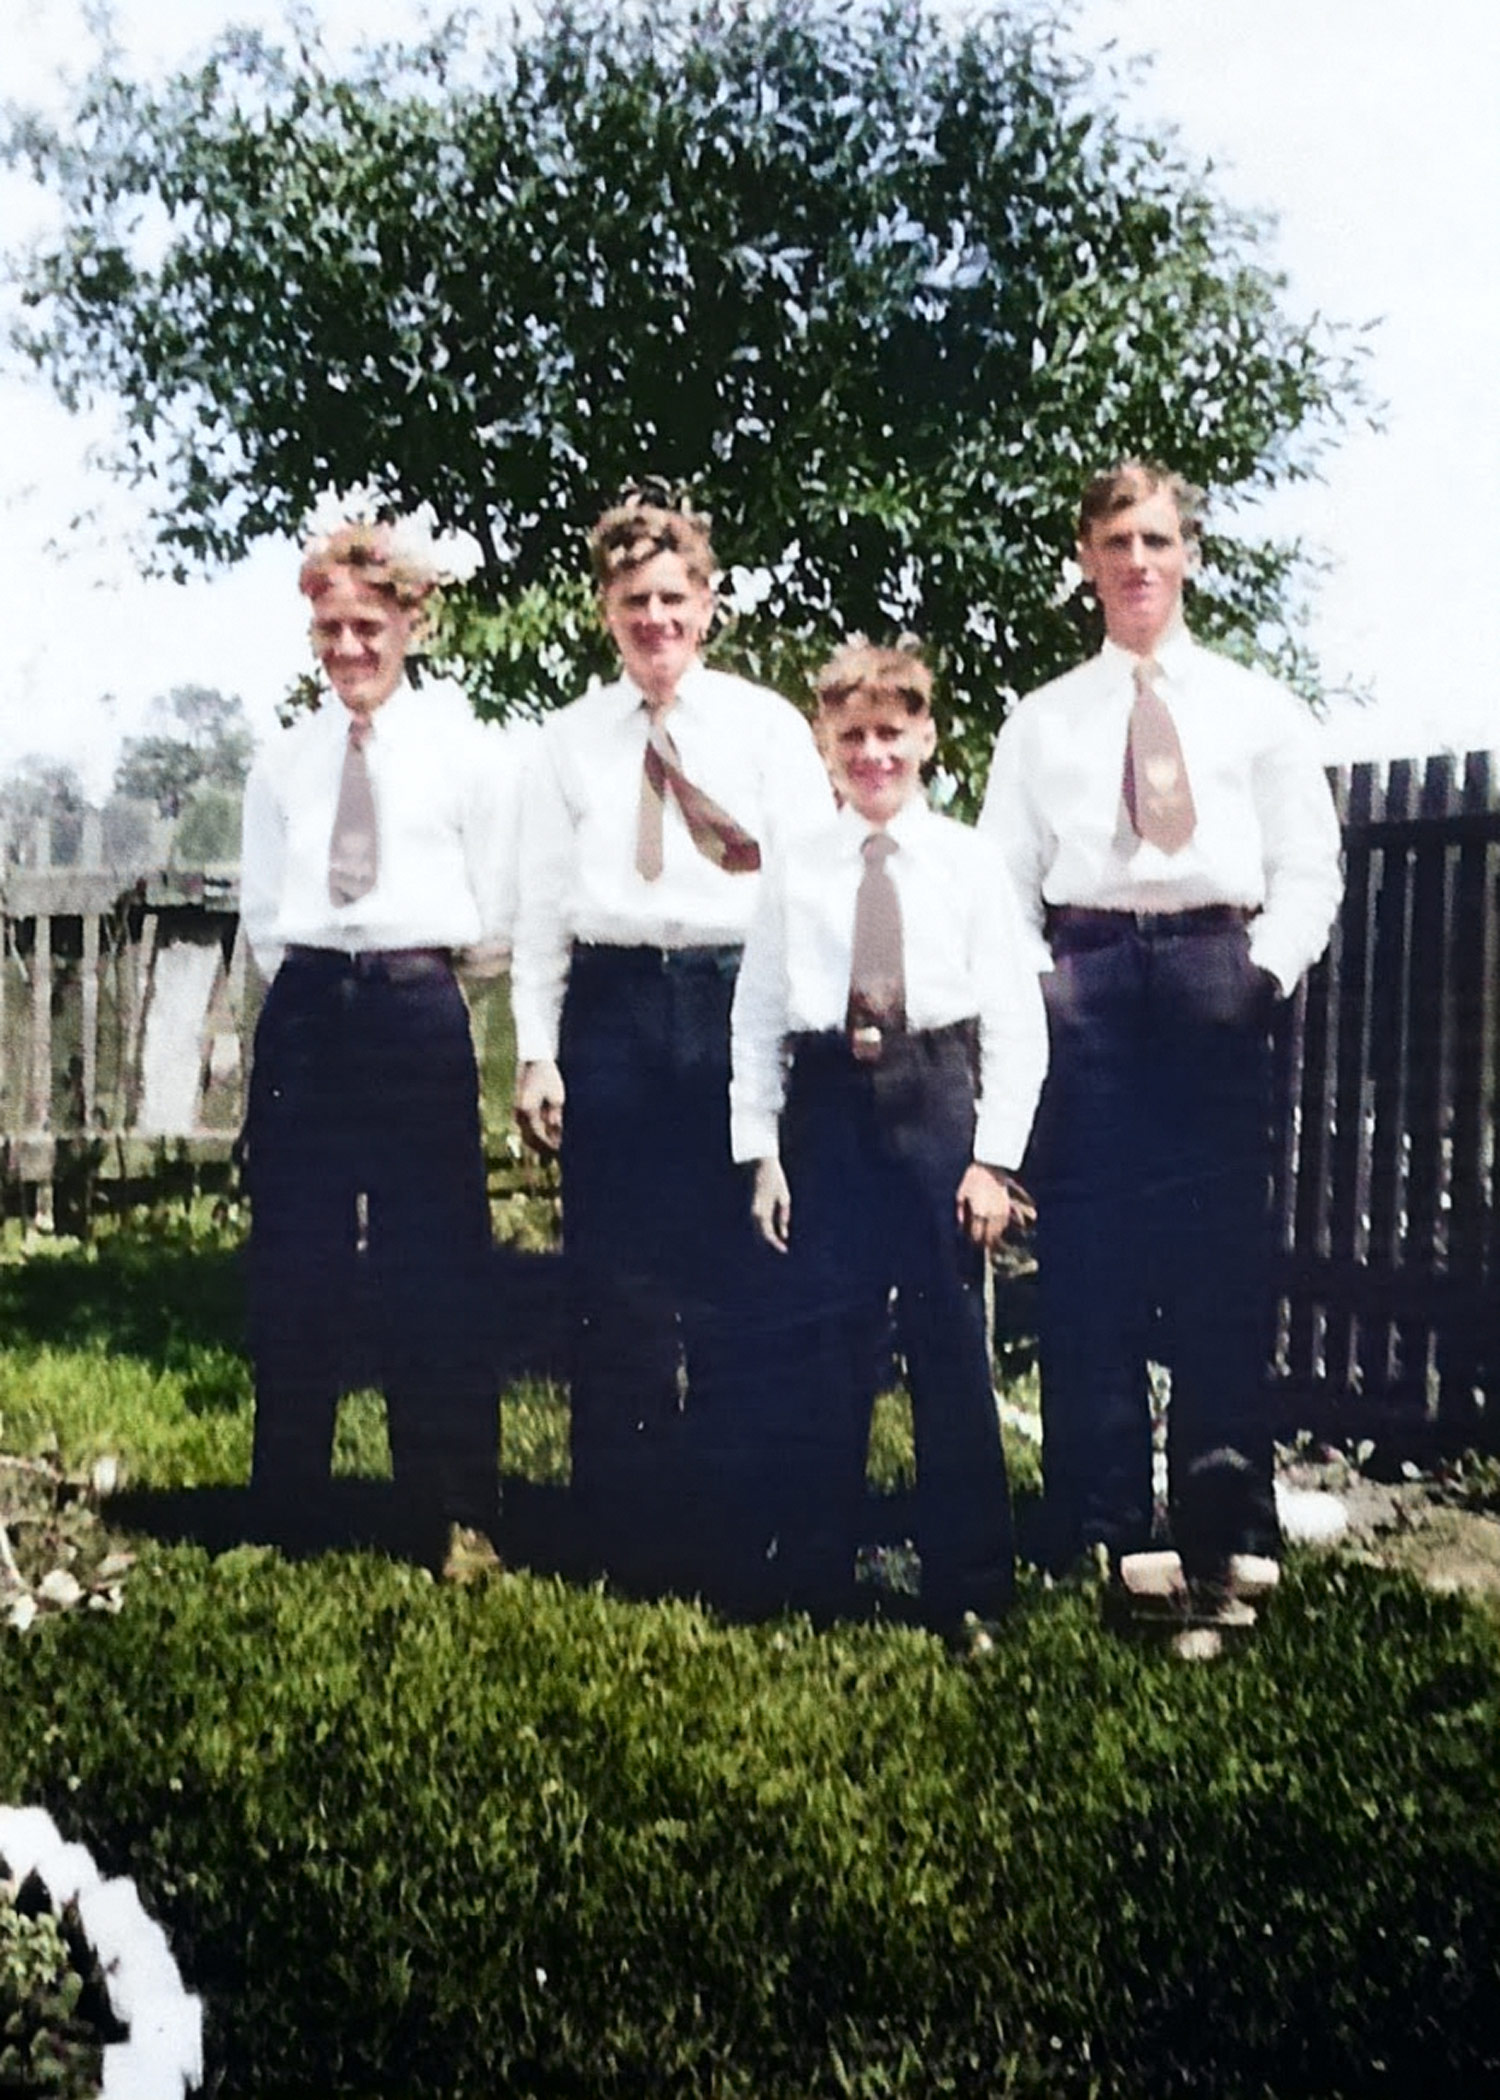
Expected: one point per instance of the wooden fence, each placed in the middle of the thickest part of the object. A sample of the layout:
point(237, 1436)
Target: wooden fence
point(120, 997)
point(122, 1005)
point(1388, 1182)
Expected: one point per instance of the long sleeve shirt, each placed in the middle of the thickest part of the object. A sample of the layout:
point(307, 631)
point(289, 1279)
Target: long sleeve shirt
point(1266, 836)
point(965, 954)
point(447, 792)
point(745, 747)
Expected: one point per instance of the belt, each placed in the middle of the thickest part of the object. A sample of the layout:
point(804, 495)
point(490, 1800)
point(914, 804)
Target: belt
point(1085, 926)
point(381, 965)
point(825, 1047)
point(645, 961)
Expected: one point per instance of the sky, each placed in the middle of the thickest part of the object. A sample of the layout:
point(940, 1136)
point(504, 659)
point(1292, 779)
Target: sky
point(1367, 126)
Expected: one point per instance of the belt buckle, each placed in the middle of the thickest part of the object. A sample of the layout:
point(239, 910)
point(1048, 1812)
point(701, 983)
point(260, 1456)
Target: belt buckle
point(867, 1043)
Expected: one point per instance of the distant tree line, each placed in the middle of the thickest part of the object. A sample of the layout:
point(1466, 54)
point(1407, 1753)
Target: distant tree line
point(190, 771)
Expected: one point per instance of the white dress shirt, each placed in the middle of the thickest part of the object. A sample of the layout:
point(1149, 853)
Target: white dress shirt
point(966, 957)
point(745, 747)
point(446, 788)
point(1267, 837)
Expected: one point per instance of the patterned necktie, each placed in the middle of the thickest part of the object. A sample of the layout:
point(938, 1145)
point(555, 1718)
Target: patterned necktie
point(877, 968)
point(354, 849)
point(1158, 794)
point(712, 830)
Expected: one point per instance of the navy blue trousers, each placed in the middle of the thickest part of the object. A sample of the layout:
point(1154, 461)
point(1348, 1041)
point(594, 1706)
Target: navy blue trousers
point(664, 1266)
point(874, 1154)
point(1151, 1162)
point(369, 1234)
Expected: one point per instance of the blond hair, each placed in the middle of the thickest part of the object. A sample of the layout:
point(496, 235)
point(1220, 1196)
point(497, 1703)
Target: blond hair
point(644, 524)
point(368, 553)
point(860, 666)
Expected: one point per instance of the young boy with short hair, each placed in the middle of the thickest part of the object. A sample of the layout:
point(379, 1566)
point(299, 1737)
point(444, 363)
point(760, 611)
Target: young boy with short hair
point(889, 1044)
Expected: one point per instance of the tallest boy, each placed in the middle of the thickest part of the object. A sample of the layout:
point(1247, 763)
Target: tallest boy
point(1174, 843)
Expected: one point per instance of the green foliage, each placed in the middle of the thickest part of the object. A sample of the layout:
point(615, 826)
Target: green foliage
point(206, 745)
point(40, 788)
point(528, 1840)
point(880, 286)
point(1473, 1481)
point(208, 829)
point(46, 2047)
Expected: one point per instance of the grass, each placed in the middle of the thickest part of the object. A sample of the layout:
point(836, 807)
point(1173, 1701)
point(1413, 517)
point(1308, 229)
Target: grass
point(529, 1838)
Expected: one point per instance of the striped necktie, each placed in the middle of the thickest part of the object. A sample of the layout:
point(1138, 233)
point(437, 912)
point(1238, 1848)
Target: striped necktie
point(716, 834)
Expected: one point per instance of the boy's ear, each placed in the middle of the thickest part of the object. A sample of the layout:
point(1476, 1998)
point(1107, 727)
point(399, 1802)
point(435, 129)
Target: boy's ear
point(927, 737)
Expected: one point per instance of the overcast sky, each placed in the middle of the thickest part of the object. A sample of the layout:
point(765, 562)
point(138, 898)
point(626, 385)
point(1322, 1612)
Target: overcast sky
point(1370, 127)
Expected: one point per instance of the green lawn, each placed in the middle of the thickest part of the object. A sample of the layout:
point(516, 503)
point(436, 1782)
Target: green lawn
point(527, 1838)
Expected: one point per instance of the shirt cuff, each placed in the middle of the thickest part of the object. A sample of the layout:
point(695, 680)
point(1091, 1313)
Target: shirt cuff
point(753, 1134)
point(1000, 1135)
point(1269, 954)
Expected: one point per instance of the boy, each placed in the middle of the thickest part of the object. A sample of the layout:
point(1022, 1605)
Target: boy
point(889, 1044)
point(1175, 852)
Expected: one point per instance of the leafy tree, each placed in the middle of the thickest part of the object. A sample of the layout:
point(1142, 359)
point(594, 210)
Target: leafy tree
point(212, 749)
point(38, 788)
point(881, 289)
point(209, 830)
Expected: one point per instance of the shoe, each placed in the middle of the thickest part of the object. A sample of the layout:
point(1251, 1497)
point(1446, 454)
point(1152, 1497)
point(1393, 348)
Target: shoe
point(470, 1556)
point(1252, 1575)
point(1211, 1604)
point(1154, 1576)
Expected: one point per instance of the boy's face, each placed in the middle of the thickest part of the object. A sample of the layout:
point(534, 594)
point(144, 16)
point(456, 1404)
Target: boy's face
point(1138, 560)
point(875, 751)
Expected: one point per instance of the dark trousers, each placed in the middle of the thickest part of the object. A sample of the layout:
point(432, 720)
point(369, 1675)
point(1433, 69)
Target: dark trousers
point(874, 1154)
point(370, 1228)
point(663, 1263)
point(1151, 1161)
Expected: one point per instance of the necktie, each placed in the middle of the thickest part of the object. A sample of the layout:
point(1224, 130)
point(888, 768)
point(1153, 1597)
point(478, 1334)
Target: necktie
point(1158, 795)
point(877, 969)
point(354, 849)
point(712, 830)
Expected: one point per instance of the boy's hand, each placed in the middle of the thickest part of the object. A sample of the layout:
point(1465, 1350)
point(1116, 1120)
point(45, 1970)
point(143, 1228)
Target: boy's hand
point(771, 1204)
point(539, 1104)
point(983, 1206)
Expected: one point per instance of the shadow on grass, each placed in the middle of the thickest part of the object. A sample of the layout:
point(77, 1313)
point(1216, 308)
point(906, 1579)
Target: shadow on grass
point(541, 1531)
point(168, 1295)
point(162, 1297)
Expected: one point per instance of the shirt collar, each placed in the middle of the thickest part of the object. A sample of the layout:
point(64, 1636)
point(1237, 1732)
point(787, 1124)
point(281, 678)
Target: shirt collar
point(1171, 653)
point(337, 717)
point(690, 687)
point(905, 827)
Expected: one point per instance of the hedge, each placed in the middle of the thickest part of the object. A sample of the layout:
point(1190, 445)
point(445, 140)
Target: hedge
point(525, 1839)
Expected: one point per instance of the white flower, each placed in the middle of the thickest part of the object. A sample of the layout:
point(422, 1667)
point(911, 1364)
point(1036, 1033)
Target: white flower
point(1071, 578)
point(415, 546)
point(462, 556)
point(747, 588)
point(360, 505)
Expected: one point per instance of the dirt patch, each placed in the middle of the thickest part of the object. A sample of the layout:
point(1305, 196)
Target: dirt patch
point(1423, 1524)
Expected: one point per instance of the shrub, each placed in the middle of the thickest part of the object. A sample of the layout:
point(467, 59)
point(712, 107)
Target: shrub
point(47, 2047)
point(527, 1839)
